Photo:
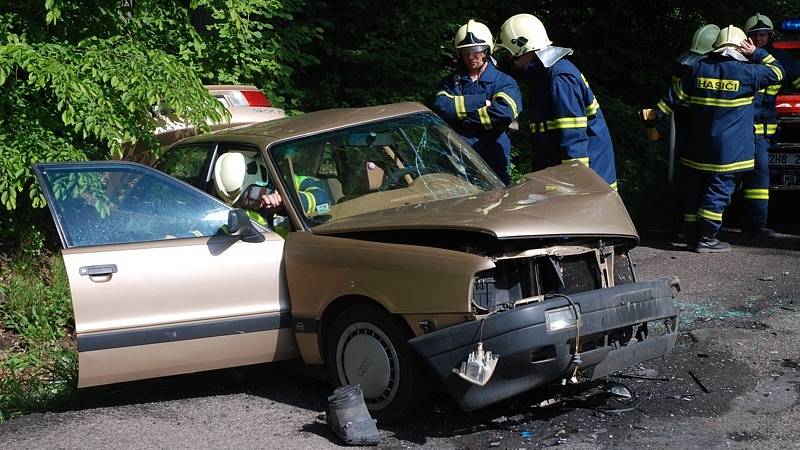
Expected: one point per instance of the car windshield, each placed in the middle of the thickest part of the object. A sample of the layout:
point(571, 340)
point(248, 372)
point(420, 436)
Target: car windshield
point(382, 165)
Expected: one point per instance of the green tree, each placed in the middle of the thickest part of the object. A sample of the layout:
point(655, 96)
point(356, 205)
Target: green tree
point(78, 79)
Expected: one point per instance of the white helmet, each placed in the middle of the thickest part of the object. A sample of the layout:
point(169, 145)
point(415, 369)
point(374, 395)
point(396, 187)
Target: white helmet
point(521, 34)
point(473, 37)
point(730, 36)
point(759, 22)
point(703, 39)
point(235, 171)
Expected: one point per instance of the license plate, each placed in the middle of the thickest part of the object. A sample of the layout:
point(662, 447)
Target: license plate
point(784, 159)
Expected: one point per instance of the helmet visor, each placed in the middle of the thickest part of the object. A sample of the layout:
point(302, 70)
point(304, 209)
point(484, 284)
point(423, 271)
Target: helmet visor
point(472, 49)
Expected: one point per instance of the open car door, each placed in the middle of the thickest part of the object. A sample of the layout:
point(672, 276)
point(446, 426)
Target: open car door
point(158, 285)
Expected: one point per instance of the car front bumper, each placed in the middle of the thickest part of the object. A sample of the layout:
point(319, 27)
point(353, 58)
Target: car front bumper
point(530, 356)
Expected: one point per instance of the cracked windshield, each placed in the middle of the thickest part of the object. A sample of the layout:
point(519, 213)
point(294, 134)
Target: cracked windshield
point(379, 166)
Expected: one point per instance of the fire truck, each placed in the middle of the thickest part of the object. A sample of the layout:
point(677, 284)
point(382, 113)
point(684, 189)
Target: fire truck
point(784, 158)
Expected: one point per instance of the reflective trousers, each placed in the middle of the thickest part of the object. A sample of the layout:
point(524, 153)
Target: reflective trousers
point(708, 193)
point(756, 186)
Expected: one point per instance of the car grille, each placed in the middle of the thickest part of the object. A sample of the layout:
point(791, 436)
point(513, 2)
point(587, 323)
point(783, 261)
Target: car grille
point(515, 279)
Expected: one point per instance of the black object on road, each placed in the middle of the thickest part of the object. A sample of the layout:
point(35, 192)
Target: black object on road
point(349, 418)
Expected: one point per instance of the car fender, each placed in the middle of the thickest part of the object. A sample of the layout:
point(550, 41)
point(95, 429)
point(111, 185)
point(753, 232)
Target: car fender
point(403, 279)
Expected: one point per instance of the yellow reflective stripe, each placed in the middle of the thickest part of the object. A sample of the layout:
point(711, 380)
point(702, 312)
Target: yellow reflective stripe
point(508, 100)
point(567, 122)
point(771, 128)
point(796, 83)
point(483, 114)
point(710, 215)
point(584, 80)
point(674, 79)
point(197, 233)
point(769, 59)
point(690, 217)
point(592, 108)
point(721, 102)
point(720, 168)
point(613, 186)
point(776, 69)
point(756, 194)
point(678, 87)
point(445, 93)
point(584, 160)
point(773, 89)
point(461, 107)
point(663, 107)
point(312, 202)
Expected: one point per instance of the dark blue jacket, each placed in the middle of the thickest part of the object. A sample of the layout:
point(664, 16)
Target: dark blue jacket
point(461, 102)
point(680, 67)
point(766, 116)
point(719, 91)
point(566, 120)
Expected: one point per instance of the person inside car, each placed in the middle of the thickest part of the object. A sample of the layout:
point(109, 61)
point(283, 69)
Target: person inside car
point(241, 181)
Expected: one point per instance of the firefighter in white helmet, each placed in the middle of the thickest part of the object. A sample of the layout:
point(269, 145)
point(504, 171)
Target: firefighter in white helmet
point(756, 183)
point(566, 119)
point(479, 101)
point(702, 43)
point(718, 91)
point(241, 180)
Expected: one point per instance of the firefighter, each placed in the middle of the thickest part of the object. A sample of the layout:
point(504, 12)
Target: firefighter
point(702, 44)
point(756, 183)
point(479, 101)
point(719, 92)
point(566, 119)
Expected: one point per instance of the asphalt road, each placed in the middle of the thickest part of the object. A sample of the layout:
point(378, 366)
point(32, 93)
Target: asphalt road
point(732, 382)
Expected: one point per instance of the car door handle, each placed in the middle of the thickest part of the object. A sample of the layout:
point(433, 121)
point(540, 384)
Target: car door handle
point(99, 273)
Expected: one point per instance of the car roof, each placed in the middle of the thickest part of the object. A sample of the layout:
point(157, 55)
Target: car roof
point(265, 133)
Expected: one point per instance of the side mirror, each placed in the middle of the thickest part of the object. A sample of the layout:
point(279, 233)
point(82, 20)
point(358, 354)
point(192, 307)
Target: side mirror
point(240, 225)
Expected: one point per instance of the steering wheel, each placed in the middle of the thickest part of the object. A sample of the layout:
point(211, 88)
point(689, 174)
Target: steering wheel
point(394, 178)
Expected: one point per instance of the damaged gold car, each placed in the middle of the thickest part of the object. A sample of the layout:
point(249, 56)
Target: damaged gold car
point(414, 266)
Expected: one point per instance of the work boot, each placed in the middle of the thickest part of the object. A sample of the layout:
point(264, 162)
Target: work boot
point(758, 230)
point(710, 245)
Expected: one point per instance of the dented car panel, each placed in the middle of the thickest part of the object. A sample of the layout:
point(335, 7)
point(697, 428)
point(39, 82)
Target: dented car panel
point(610, 338)
point(558, 201)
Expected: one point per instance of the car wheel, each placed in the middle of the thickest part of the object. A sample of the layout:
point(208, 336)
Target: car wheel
point(367, 346)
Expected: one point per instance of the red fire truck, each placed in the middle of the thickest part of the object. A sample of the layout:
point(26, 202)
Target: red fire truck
point(784, 159)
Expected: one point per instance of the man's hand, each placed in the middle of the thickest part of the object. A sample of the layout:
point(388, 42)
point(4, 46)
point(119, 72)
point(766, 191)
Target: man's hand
point(648, 114)
point(271, 201)
point(747, 47)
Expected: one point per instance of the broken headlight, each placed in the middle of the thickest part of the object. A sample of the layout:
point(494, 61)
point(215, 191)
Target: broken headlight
point(560, 319)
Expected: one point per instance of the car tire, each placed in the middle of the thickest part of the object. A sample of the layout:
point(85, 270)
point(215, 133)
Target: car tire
point(367, 346)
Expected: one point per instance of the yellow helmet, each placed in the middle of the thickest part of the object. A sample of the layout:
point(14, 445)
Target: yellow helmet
point(521, 34)
point(703, 39)
point(759, 22)
point(729, 36)
point(473, 37)
point(234, 172)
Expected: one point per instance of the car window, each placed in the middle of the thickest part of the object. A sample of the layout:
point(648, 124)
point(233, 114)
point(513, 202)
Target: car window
point(381, 165)
point(186, 163)
point(112, 203)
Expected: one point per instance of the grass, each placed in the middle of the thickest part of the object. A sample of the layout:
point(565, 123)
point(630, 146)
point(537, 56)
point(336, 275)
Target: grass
point(38, 359)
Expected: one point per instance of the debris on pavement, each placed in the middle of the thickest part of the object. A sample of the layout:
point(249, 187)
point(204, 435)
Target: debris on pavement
point(349, 418)
point(699, 383)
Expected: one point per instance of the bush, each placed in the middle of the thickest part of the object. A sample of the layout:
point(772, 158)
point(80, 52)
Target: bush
point(38, 361)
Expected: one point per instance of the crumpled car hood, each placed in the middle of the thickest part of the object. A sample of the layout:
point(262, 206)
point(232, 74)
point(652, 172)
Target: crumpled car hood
point(565, 200)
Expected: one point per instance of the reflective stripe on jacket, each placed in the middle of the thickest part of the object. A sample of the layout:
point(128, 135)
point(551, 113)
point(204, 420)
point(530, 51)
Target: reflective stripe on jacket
point(766, 116)
point(719, 91)
point(566, 120)
point(461, 102)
